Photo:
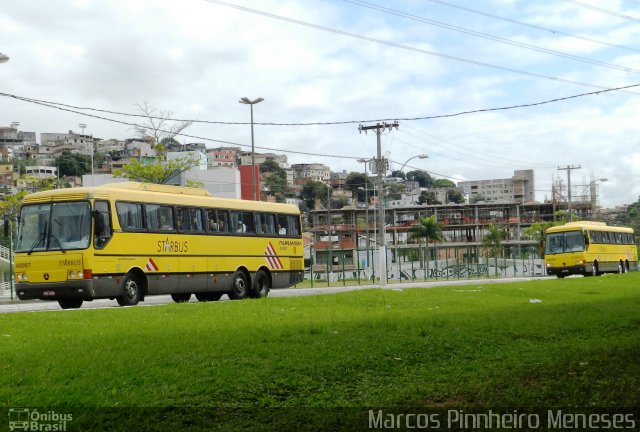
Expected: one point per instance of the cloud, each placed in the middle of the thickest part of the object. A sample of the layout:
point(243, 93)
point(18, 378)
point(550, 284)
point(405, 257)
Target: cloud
point(197, 58)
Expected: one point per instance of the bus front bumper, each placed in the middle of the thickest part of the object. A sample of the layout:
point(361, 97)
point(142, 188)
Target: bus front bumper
point(52, 291)
point(569, 270)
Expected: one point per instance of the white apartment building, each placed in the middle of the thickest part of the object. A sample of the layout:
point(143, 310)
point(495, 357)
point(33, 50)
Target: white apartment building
point(518, 189)
point(302, 173)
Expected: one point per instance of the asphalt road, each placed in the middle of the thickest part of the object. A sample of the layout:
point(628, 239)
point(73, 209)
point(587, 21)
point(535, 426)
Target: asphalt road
point(17, 306)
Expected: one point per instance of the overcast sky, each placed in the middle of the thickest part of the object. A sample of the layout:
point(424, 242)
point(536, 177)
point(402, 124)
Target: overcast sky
point(337, 61)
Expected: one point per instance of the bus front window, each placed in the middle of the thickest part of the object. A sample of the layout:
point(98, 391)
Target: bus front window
point(572, 241)
point(32, 230)
point(70, 226)
point(57, 226)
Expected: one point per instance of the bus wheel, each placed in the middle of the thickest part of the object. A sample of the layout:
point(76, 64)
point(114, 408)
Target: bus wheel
point(181, 297)
point(239, 286)
point(260, 286)
point(594, 269)
point(209, 296)
point(131, 291)
point(70, 303)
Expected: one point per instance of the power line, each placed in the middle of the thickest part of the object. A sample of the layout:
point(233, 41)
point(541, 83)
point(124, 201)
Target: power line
point(401, 46)
point(537, 27)
point(489, 36)
point(601, 10)
point(180, 134)
point(483, 157)
point(71, 108)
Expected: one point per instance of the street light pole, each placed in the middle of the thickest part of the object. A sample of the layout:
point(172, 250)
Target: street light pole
point(420, 156)
point(251, 103)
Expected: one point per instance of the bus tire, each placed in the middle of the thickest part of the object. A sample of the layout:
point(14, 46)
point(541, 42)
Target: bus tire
point(594, 269)
point(181, 297)
point(70, 303)
point(260, 288)
point(131, 291)
point(239, 286)
point(208, 296)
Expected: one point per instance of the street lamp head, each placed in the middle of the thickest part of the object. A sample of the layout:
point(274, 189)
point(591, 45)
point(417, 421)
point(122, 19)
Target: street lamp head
point(246, 100)
point(422, 156)
point(4, 58)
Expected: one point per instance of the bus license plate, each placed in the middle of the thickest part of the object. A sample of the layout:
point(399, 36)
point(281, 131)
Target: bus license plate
point(49, 293)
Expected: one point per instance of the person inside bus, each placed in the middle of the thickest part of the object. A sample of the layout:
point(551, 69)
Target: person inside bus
point(165, 223)
point(242, 228)
point(282, 230)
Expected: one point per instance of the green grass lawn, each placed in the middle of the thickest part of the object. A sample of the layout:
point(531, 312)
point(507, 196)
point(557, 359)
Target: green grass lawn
point(451, 347)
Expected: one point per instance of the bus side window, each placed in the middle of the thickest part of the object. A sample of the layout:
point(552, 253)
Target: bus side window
point(102, 224)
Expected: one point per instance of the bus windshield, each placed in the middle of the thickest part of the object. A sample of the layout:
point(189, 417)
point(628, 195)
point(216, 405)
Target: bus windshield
point(562, 242)
point(54, 226)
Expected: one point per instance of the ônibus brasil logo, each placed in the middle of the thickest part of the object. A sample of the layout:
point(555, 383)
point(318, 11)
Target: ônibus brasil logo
point(25, 419)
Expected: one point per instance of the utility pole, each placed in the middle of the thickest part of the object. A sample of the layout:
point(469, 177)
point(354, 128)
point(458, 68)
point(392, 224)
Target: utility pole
point(568, 169)
point(381, 166)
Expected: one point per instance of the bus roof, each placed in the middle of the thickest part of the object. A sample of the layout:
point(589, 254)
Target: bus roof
point(587, 225)
point(155, 193)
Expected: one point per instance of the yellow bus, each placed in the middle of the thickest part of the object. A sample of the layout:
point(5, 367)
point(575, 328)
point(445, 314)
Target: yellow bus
point(590, 249)
point(125, 241)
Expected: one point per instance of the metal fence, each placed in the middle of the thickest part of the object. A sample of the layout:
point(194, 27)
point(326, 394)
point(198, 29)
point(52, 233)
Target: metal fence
point(432, 270)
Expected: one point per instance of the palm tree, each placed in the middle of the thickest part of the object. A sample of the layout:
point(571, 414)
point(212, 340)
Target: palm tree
point(427, 228)
point(493, 239)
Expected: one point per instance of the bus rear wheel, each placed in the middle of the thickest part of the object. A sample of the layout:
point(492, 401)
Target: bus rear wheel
point(239, 286)
point(70, 303)
point(209, 296)
point(131, 291)
point(260, 286)
point(181, 297)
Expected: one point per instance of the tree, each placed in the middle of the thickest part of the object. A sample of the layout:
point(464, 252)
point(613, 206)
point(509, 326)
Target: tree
point(159, 173)
point(313, 190)
point(455, 196)
point(159, 125)
point(358, 182)
point(633, 216)
point(399, 174)
point(275, 179)
point(270, 166)
point(493, 239)
point(443, 183)
point(276, 185)
point(429, 229)
point(476, 199)
point(422, 177)
point(73, 164)
point(428, 197)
